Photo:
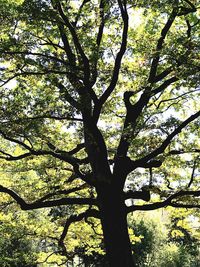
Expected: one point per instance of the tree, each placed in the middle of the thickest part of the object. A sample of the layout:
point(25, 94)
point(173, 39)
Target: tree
point(107, 102)
point(16, 247)
point(178, 242)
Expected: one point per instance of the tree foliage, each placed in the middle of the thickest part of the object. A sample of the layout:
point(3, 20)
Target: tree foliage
point(168, 238)
point(99, 105)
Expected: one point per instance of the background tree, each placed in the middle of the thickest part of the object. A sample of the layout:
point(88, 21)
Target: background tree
point(178, 244)
point(120, 129)
point(16, 246)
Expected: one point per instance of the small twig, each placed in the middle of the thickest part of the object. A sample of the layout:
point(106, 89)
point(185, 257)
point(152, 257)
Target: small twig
point(192, 175)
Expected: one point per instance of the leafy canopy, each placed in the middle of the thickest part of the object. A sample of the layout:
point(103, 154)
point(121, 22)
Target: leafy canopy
point(99, 94)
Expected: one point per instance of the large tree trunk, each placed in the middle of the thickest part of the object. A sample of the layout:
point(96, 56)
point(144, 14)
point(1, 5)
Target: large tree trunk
point(114, 225)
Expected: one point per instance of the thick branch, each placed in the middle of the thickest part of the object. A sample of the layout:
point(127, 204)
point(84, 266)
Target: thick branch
point(45, 116)
point(192, 175)
point(177, 11)
point(132, 114)
point(168, 202)
point(101, 27)
point(68, 97)
point(67, 47)
point(76, 218)
point(179, 152)
point(117, 66)
point(163, 74)
point(76, 149)
point(144, 195)
point(150, 164)
point(13, 140)
point(62, 155)
point(10, 157)
point(164, 32)
point(186, 206)
point(167, 141)
point(164, 85)
point(44, 204)
point(98, 42)
point(63, 192)
point(186, 10)
point(76, 42)
point(83, 60)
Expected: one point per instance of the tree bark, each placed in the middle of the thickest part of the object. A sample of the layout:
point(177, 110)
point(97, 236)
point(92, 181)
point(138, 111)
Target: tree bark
point(115, 230)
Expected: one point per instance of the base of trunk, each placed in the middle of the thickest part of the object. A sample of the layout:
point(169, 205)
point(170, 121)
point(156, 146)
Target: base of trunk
point(115, 230)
